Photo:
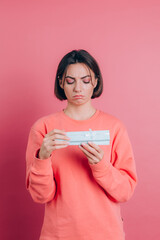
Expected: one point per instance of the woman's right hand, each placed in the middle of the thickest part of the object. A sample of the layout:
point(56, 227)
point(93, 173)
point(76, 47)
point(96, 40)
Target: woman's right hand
point(50, 143)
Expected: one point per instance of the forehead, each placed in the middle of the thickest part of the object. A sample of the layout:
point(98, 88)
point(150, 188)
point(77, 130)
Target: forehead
point(78, 70)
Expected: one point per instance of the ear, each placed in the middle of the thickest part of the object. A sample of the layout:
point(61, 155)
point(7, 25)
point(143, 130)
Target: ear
point(60, 83)
point(95, 83)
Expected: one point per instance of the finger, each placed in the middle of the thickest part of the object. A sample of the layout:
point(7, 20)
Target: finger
point(90, 157)
point(90, 149)
point(59, 146)
point(51, 145)
point(87, 153)
point(52, 141)
point(95, 146)
point(59, 136)
point(93, 151)
point(54, 131)
point(57, 142)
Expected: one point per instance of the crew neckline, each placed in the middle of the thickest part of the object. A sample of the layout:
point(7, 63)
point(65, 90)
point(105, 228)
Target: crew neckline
point(80, 121)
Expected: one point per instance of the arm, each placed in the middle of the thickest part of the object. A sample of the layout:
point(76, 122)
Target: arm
point(39, 174)
point(117, 176)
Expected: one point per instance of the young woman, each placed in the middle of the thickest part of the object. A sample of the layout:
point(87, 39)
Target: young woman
point(83, 185)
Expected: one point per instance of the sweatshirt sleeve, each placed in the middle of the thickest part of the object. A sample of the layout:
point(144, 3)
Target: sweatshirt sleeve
point(39, 173)
point(117, 176)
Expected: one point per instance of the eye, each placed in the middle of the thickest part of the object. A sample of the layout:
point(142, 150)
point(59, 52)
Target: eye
point(87, 80)
point(69, 80)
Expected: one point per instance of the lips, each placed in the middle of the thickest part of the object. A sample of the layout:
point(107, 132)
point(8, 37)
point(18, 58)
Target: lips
point(78, 96)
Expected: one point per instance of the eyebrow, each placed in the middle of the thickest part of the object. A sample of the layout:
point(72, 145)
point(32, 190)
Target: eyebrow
point(81, 77)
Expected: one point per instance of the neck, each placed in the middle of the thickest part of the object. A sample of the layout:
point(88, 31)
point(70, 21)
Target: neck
point(80, 112)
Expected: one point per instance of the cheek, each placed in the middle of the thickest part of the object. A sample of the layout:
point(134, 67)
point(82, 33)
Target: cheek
point(68, 91)
point(89, 90)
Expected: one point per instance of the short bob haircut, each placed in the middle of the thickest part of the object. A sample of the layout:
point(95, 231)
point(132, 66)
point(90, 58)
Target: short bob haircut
point(77, 56)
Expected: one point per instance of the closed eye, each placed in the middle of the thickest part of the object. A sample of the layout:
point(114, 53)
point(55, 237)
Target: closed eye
point(69, 81)
point(87, 80)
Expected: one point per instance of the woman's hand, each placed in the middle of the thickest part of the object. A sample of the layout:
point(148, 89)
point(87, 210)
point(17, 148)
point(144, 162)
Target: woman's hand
point(50, 143)
point(93, 152)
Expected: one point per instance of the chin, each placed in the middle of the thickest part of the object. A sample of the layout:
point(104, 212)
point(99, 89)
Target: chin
point(79, 101)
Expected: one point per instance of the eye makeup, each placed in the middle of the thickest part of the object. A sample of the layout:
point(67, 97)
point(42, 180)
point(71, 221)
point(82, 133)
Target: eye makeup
point(71, 81)
point(87, 80)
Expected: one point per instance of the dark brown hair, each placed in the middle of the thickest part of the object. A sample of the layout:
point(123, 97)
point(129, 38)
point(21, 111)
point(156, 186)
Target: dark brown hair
point(78, 56)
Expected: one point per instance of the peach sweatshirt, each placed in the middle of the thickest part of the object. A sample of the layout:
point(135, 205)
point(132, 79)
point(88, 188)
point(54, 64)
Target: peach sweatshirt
point(81, 199)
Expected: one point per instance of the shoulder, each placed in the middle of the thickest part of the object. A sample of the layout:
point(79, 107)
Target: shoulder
point(44, 122)
point(112, 120)
point(118, 130)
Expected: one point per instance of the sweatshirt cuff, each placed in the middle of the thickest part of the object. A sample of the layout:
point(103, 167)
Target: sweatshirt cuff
point(42, 164)
point(101, 166)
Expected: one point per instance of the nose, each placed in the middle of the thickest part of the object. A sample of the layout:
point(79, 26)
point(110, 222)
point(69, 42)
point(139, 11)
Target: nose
point(78, 86)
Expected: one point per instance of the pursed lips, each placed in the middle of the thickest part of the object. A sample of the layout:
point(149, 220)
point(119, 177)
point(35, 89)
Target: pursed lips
point(78, 96)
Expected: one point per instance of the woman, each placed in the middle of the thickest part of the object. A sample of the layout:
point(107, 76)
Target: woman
point(83, 185)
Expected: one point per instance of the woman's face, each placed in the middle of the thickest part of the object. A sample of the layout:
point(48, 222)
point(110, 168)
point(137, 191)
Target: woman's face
point(79, 83)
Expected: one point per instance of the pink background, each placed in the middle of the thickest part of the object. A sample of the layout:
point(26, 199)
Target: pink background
point(124, 37)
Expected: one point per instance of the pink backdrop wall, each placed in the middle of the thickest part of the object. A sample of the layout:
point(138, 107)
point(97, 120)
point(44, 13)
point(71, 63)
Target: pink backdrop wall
point(124, 37)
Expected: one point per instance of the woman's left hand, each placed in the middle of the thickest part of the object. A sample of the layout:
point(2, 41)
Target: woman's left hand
point(92, 151)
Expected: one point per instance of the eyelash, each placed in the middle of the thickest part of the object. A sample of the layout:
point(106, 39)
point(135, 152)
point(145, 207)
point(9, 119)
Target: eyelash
point(73, 82)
